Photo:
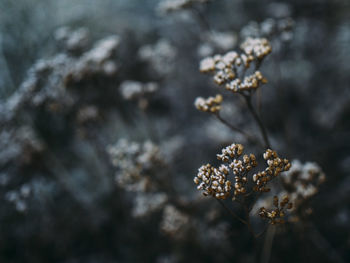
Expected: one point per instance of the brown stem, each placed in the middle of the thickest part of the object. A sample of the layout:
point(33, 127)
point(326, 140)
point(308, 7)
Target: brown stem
point(323, 244)
point(234, 128)
point(257, 119)
point(254, 201)
point(249, 225)
point(231, 212)
point(202, 20)
point(267, 248)
point(258, 101)
point(262, 232)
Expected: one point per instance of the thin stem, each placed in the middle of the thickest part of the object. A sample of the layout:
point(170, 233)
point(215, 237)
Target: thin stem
point(266, 253)
point(323, 244)
point(258, 101)
point(258, 63)
point(239, 201)
point(231, 212)
point(202, 20)
point(262, 232)
point(257, 119)
point(254, 201)
point(234, 128)
point(249, 225)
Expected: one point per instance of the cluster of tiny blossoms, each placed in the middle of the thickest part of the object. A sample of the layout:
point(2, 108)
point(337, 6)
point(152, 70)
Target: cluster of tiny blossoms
point(168, 6)
point(276, 215)
point(214, 181)
point(276, 165)
point(226, 67)
point(240, 168)
point(302, 181)
point(256, 47)
point(211, 104)
point(250, 82)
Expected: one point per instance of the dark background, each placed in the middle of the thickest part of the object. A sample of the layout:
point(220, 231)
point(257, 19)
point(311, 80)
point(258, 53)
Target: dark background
point(74, 211)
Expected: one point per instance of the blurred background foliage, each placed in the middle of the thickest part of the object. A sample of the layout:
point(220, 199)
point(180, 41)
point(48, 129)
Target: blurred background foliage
point(70, 136)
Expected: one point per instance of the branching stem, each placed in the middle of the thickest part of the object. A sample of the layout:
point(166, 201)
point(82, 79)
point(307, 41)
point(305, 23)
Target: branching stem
point(202, 20)
point(231, 212)
point(261, 126)
point(234, 128)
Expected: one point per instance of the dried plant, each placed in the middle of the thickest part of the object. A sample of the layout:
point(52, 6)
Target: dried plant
point(235, 179)
point(229, 71)
point(238, 177)
point(276, 216)
point(301, 183)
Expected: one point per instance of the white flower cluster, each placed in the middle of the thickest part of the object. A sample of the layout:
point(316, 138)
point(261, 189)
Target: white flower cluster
point(280, 29)
point(20, 145)
point(213, 181)
point(257, 47)
point(133, 160)
point(226, 67)
point(147, 203)
point(160, 56)
point(98, 59)
point(240, 168)
point(168, 6)
point(73, 40)
point(211, 104)
point(250, 82)
point(19, 197)
point(137, 164)
point(174, 222)
point(216, 41)
point(276, 166)
point(87, 113)
point(302, 181)
point(131, 89)
point(49, 80)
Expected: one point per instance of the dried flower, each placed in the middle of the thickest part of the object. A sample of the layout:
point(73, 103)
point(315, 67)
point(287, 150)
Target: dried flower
point(148, 203)
point(211, 104)
point(216, 40)
point(214, 181)
point(276, 215)
point(133, 89)
point(250, 82)
point(279, 29)
point(302, 181)
point(87, 114)
point(207, 65)
point(174, 222)
point(226, 67)
point(73, 40)
point(257, 47)
point(160, 56)
point(133, 161)
point(168, 6)
point(275, 164)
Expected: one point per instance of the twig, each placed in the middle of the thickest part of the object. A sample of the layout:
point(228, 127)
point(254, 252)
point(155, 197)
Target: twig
point(234, 128)
point(202, 20)
point(257, 119)
point(254, 201)
point(258, 101)
point(266, 253)
point(262, 232)
point(323, 244)
point(231, 212)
